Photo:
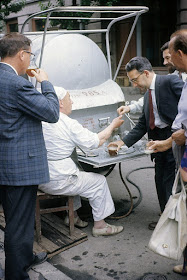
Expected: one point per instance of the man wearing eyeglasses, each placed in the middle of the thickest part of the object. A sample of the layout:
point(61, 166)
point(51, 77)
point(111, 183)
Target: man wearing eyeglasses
point(23, 158)
point(162, 93)
point(137, 106)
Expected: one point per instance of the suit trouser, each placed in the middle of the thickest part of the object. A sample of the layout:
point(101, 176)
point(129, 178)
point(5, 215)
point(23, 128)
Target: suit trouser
point(19, 204)
point(89, 185)
point(164, 167)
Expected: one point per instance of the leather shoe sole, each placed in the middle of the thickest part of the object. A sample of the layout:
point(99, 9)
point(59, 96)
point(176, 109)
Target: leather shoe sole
point(104, 231)
point(38, 259)
point(179, 270)
point(77, 222)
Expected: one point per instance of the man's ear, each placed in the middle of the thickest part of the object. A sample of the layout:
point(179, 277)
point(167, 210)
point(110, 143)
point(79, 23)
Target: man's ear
point(61, 103)
point(146, 72)
point(21, 55)
point(180, 53)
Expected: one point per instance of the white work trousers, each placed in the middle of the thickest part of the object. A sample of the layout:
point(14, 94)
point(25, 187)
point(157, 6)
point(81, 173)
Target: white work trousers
point(89, 185)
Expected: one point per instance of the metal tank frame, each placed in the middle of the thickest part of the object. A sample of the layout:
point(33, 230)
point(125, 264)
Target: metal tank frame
point(124, 12)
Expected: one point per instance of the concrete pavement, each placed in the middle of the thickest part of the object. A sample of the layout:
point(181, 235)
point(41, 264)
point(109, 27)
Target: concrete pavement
point(44, 271)
point(122, 257)
point(125, 256)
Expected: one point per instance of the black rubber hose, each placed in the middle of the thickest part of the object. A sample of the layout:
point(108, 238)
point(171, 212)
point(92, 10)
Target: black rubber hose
point(136, 186)
point(132, 206)
point(110, 169)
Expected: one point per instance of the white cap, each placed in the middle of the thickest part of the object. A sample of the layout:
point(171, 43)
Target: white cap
point(60, 92)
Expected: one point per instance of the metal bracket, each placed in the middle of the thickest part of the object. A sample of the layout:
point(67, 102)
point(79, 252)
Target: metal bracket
point(104, 121)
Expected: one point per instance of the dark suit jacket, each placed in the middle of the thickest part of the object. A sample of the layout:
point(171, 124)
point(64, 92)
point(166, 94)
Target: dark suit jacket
point(168, 90)
point(23, 157)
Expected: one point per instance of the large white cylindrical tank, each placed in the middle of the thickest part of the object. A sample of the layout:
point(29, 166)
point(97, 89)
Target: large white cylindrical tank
point(72, 61)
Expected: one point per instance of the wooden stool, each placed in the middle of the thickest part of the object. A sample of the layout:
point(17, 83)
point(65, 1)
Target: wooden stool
point(69, 207)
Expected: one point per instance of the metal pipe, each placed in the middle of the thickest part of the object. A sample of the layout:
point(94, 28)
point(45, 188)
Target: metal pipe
point(82, 151)
point(139, 37)
point(108, 54)
point(67, 32)
point(43, 42)
point(126, 46)
point(103, 9)
point(87, 18)
point(137, 14)
point(131, 121)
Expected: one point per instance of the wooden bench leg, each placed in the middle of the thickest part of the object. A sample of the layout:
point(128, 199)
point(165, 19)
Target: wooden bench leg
point(38, 221)
point(38, 216)
point(71, 215)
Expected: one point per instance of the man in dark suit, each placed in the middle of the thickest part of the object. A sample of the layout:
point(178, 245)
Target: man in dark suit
point(23, 159)
point(162, 93)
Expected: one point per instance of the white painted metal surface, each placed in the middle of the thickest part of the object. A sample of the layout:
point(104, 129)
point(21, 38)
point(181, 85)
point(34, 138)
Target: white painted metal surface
point(107, 93)
point(72, 61)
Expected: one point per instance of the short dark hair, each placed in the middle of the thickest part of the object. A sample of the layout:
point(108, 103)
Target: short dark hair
point(165, 47)
point(139, 63)
point(180, 40)
point(12, 43)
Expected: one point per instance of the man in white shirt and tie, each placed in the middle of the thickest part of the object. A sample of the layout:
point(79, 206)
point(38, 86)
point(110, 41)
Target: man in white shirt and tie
point(165, 91)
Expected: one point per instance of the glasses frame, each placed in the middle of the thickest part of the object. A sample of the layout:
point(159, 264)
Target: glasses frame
point(134, 80)
point(32, 54)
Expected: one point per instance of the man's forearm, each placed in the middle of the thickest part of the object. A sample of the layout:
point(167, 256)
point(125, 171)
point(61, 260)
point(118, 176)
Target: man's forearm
point(161, 145)
point(105, 134)
point(179, 137)
point(168, 143)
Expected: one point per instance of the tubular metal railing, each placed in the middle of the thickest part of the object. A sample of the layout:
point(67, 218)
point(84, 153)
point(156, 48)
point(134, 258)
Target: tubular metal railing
point(122, 12)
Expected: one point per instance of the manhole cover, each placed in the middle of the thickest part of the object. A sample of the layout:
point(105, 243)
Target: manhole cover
point(154, 277)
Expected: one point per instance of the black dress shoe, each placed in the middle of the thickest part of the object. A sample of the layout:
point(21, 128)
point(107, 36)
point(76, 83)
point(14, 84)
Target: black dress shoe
point(38, 259)
point(152, 225)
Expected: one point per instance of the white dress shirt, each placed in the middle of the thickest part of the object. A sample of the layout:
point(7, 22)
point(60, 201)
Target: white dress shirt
point(183, 75)
point(158, 122)
point(136, 106)
point(181, 118)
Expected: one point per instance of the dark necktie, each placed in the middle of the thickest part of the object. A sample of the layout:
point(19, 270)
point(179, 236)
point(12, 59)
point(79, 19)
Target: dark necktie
point(151, 114)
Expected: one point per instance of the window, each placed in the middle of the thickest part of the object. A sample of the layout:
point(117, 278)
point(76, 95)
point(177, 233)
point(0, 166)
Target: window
point(38, 25)
point(12, 25)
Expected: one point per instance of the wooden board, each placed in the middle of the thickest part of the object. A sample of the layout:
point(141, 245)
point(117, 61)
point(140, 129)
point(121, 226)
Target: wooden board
point(55, 235)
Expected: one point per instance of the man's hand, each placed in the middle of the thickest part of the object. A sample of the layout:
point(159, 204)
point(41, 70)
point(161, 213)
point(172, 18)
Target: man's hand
point(40, 75)
point(117, 122)
point(123, 109)
point(119, 143)
point(179, 137)
point(160, 146)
